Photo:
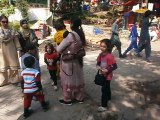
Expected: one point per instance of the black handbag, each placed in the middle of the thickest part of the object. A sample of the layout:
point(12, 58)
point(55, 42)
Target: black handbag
point(100, 79)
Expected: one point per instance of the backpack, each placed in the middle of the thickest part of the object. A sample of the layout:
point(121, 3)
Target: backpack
point(74, 51)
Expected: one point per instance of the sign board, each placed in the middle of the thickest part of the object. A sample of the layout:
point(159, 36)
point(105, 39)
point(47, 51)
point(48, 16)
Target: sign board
point(135, 7)
point(150, 6)
point(144, 4)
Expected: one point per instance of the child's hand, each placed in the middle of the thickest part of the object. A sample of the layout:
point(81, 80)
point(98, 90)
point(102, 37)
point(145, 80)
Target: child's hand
point(39, 92)
point(99, 68)
point(104, 71)
point(50, 63)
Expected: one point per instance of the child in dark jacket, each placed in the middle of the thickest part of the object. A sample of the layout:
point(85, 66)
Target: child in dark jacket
point(51, 58)
point(31, 85)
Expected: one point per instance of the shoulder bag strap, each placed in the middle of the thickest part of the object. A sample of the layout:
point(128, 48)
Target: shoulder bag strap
point(72, 61)
point(74, 37)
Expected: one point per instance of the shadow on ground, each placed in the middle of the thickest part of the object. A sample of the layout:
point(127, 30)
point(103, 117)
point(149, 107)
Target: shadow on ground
point(132, 87)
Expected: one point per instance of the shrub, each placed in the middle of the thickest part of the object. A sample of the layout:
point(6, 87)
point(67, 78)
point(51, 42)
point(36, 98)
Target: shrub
point(15, 25)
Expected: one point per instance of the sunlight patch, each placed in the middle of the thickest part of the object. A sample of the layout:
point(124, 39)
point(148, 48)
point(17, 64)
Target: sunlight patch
point(127, 104)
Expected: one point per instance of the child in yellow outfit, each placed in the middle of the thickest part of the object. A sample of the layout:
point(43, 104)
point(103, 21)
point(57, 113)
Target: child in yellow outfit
point(61, 33)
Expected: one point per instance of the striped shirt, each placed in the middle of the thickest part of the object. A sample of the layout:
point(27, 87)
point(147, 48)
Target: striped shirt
point(29, 76)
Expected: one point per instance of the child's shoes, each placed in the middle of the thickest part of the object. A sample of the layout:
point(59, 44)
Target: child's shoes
point(45, 106)
point(52, 83)
point(65, 103)
point(27, 113)
point(55, 88)
point(101, 109)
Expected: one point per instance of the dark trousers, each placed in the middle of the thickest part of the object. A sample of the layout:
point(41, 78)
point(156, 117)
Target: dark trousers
point(116, 43)
point(106, 93)
point(28, 98)
point(53, 74)
point(147, 47)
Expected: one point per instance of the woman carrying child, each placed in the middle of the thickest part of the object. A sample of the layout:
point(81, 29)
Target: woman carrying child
point(106, 64)
point(72, 80)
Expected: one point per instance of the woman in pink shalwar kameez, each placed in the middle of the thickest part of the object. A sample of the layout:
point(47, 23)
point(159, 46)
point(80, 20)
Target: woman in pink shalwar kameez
point(72, 79)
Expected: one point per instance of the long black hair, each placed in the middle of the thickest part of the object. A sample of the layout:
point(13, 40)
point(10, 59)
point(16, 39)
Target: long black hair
point(77, 27)
point(147, 13)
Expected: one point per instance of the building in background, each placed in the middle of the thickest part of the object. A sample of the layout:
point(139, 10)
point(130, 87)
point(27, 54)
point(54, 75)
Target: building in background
point(143, 6)
point(156, 6)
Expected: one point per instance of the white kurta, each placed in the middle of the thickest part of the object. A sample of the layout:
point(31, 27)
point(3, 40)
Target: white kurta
point(8, 51)
point(9, 62)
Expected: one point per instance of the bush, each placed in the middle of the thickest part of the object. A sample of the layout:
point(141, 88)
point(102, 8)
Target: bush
point(15, 25)
point(23, 6)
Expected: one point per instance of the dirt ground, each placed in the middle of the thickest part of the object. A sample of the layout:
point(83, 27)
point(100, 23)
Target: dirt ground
point(136, 91)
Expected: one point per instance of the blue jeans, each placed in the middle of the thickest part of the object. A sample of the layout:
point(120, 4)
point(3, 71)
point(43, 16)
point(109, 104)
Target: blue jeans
point(132, 45)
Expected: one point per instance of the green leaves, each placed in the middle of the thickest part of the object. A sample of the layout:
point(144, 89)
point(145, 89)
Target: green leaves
point(6, 8)
point(23, 6)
